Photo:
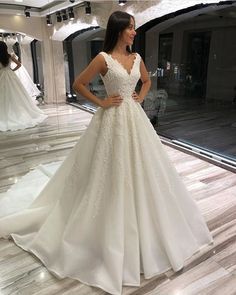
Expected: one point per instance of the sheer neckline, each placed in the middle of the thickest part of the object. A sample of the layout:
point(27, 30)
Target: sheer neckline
point(128, 71)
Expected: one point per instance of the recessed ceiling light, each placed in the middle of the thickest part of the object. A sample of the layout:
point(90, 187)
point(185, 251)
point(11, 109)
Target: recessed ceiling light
point(122, 2)
point(18, 0)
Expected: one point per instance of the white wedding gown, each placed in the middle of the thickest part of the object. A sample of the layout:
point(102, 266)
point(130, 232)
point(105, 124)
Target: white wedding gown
point(116, 207)
point(17, 109)
point(26, 80)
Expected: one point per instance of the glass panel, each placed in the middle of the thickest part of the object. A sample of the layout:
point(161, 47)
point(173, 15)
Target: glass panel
point(194, 93)
point(88, 43)
point(164, 60)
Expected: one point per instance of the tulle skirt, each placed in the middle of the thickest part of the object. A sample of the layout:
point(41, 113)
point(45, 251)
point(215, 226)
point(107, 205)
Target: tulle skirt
point(17, 109)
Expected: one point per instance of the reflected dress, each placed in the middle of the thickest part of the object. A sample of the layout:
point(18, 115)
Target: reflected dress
point(26, 80)
point(116, 207)
point(17, 109)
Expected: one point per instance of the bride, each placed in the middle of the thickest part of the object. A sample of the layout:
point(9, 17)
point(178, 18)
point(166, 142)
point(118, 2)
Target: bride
point(17, 109)
point(26, 80)
point(116, 207)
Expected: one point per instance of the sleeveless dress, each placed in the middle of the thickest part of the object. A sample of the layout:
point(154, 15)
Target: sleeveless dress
point(116, 207)
point(17, 109)
point(26, 80)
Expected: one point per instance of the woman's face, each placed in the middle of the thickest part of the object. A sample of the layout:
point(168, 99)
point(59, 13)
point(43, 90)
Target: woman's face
point(127, 36)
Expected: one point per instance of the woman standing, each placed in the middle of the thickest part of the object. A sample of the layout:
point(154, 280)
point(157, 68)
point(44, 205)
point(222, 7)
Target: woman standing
point(116, 207)
point(17, 110)
point(26, 80)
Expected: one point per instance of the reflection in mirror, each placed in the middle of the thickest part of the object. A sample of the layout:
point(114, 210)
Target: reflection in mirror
point(80, 48)
point(28, 52)
point(193, 69)
point(18, 91)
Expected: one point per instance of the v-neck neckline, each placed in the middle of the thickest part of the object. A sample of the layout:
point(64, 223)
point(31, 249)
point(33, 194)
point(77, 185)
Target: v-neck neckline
point(122, 66)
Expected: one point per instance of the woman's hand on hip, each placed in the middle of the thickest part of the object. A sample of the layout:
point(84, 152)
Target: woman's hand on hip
point(136, 97)
point(111, 101)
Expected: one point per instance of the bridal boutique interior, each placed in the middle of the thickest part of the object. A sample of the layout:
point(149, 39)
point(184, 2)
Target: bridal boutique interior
point(189, 51)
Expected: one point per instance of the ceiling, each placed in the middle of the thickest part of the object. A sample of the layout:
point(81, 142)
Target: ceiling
point(37, 7)
point(31, 3)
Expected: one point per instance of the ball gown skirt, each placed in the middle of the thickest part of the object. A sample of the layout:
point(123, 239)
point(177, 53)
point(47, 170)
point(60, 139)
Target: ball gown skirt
point(116, 206)
point(27, 82)
point(17, 109)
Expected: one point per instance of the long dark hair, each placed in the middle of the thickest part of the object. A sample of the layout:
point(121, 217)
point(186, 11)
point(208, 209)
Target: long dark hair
point(4, 55)
point(117, 22)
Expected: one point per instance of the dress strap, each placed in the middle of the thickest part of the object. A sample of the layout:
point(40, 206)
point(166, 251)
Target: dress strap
point(109, 60)
point(137, 60)
point(138, 57)
point(106, 57)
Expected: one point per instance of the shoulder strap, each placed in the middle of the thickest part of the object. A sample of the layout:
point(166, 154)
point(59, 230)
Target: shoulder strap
point(138, 57)
point(107, 58)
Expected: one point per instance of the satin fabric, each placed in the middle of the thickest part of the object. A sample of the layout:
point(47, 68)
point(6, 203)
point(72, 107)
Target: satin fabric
point(116, 207)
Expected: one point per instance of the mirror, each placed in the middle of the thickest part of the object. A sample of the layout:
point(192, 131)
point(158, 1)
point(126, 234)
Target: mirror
point(28, 51)
point(88, 43)
point(192, 63)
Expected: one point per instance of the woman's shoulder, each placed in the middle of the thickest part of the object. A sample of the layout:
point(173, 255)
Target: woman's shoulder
point(99, 57)
point(136, 54)
point(103, 57)
point(100, 60)
point(102, 53)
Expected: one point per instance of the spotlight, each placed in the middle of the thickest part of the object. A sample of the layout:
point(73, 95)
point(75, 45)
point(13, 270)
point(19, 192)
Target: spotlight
point(59, 18)
point(49, 20)
point(88, 8)
point(71, 13)
point(122, 2)
point(64, 15)
point(27, 13)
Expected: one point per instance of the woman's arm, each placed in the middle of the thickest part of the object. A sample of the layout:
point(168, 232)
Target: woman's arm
point(97, 66)
point(18, 64)
point(146, 84)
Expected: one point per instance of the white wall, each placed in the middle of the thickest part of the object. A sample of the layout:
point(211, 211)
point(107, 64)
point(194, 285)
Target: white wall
point(18, 23)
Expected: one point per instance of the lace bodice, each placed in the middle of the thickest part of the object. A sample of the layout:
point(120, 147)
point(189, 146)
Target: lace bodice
point(117, 80)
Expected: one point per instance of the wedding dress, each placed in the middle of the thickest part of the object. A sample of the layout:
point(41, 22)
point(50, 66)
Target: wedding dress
point(26, 80)
point(115, 207)
point(17, 109)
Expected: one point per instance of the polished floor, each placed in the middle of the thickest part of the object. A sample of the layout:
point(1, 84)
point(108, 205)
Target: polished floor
point(210, 271)
point(210, 126)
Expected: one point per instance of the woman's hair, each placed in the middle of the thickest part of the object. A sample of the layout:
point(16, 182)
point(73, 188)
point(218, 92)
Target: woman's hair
point(4, 55)
point(117, 23)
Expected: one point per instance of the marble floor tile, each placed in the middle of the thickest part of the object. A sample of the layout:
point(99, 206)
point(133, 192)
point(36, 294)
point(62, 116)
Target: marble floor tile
point(197, 280)
point(210, 271)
